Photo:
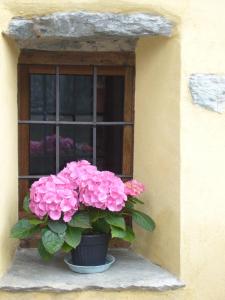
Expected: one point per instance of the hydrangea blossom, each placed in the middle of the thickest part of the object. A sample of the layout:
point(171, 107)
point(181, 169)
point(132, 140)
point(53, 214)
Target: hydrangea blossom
point(53, 196)
point(78, 172)
point(134, 188)
point(104, 190)
point(59, 196)
point(99, 189)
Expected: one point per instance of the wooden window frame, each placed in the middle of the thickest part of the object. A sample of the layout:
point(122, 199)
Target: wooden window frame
point(100, 63)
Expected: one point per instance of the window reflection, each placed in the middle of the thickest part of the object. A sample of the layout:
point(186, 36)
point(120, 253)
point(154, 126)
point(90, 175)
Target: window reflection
point(110, 98)
point(76, 97)
point(110, 148)
point(48, 145)
point(42, 97)
point(75, 144)
point(42, 150)
point(75, 141)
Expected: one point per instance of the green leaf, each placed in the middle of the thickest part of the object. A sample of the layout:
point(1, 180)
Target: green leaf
point(26, 202)
point(136, 200)
point(81, 220)
point(23, 229)
point(101, 226)
point(43, 252)
point(36, 221)
point(97, 214)
point(57, 227)
point(127, 235)
point(117, 232)
point(129, 204)
point(143, 220)
point(52, 241)
point(43, 230)
point(73, 236)
point(66, 248)
point(130, 236)
point(116, 220)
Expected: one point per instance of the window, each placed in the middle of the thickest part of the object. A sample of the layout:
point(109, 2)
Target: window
point(73, 112)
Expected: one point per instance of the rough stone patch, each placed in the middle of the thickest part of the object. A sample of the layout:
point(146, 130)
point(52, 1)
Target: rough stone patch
point(130, 271)
point(77, 30)
point(120, 44)
point(208, 90)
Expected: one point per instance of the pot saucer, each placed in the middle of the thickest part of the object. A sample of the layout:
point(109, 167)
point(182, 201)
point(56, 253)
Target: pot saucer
point(90, 269)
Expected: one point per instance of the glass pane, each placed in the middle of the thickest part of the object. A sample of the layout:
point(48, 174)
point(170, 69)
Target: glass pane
point(37, 149)
point(75, 144)
point(76, 97)
point(113, 143)
point(110, 98)
point(42, 97)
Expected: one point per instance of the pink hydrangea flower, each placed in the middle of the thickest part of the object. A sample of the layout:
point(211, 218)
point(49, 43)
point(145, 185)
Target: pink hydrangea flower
point(53, 196)
point(59, 196)
point(103, 190)
point(134, 188)
point(78, 172)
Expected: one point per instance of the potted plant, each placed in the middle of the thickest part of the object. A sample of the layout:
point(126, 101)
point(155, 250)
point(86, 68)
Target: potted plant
point(79, 210)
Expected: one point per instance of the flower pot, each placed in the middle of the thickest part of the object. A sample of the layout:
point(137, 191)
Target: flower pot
point(91, 251)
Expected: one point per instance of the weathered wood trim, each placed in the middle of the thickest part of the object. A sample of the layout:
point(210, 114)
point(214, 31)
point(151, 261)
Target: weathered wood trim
point(77, 58)
point(128, 131)
point(23, 130)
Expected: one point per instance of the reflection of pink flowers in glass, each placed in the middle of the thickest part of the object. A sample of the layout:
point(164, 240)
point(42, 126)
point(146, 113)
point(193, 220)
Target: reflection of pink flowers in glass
point(53, 196)
point(36, 147)
point(83, 147)
point(66, 144)
point(48, 145)
point(133, 188)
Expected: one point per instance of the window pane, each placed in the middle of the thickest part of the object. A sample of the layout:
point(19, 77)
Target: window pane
point(37, 149)
point(76, 97)
point(114, 149)
point(75, 144)
point(110, 98)
point(42, 97)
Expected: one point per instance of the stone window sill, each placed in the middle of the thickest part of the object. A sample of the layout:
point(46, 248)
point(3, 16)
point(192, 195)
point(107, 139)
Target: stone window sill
point(130, 271)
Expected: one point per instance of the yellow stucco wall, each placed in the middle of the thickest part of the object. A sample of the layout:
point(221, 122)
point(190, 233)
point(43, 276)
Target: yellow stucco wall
point(179, 147)
point(8, 148)
point(97, 295)
point(156, 151)
point(202, 156)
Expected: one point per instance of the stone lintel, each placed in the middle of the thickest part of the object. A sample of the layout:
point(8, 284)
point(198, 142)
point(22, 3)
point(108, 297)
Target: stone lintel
point(86, 31)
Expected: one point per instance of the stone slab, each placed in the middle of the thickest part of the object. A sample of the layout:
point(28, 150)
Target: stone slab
point(208, 91)
point(130, 271)
point(86, 31)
